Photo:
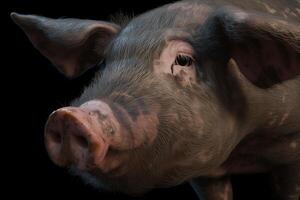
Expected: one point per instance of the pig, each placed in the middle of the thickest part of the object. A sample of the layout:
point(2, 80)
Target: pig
point(193, 91)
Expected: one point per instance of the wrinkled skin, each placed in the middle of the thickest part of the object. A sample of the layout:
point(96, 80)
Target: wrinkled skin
point(230, 106)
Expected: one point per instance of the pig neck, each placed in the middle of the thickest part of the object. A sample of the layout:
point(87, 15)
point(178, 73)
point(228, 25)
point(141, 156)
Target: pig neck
point(277, 109)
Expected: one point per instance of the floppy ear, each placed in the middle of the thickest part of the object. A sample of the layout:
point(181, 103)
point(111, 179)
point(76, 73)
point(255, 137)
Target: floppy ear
point(72, 45)
point(266, 49)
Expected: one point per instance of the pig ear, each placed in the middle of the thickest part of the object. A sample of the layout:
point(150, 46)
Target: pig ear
point(72, 45)
point(266, 48)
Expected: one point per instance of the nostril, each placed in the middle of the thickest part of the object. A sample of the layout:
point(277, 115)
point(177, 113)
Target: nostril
point(54, 144)
point(55, 137)
point(81, 141)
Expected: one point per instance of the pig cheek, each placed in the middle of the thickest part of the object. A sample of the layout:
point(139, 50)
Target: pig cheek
point(147, 126)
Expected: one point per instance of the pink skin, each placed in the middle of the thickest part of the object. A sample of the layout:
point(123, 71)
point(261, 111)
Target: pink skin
point(77, 136)
point(85, 136)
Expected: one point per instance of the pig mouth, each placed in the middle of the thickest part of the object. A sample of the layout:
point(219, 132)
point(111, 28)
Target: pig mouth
point(89, 179)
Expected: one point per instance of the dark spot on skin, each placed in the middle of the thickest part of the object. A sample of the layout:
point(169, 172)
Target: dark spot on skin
point(110, 130)
point(129, 104)
point(134, 107)
point(121, 117)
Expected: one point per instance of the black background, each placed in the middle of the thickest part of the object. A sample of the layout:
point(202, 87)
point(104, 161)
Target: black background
point(31, 89)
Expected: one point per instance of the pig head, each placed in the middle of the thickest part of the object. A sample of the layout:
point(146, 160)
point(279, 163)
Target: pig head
point(183, 85)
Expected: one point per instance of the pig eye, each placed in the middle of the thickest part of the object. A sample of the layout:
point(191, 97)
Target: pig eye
point(183, 60)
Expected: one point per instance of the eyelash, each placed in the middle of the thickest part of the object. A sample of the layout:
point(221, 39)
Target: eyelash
point(183, 60)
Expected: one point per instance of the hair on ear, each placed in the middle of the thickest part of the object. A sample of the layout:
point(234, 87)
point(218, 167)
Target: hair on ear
point(121, 18)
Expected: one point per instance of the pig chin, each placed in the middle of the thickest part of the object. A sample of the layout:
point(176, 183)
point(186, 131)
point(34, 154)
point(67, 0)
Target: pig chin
point(89, 179)
point(117, 184)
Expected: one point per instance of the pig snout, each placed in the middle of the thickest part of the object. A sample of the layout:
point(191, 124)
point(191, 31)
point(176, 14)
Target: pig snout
point(83, 136)
point(74, 136)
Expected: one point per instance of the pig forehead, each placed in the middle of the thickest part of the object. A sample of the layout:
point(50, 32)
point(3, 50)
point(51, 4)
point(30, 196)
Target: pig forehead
point(148, 43)
point(147, 34)
point(130, 44)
